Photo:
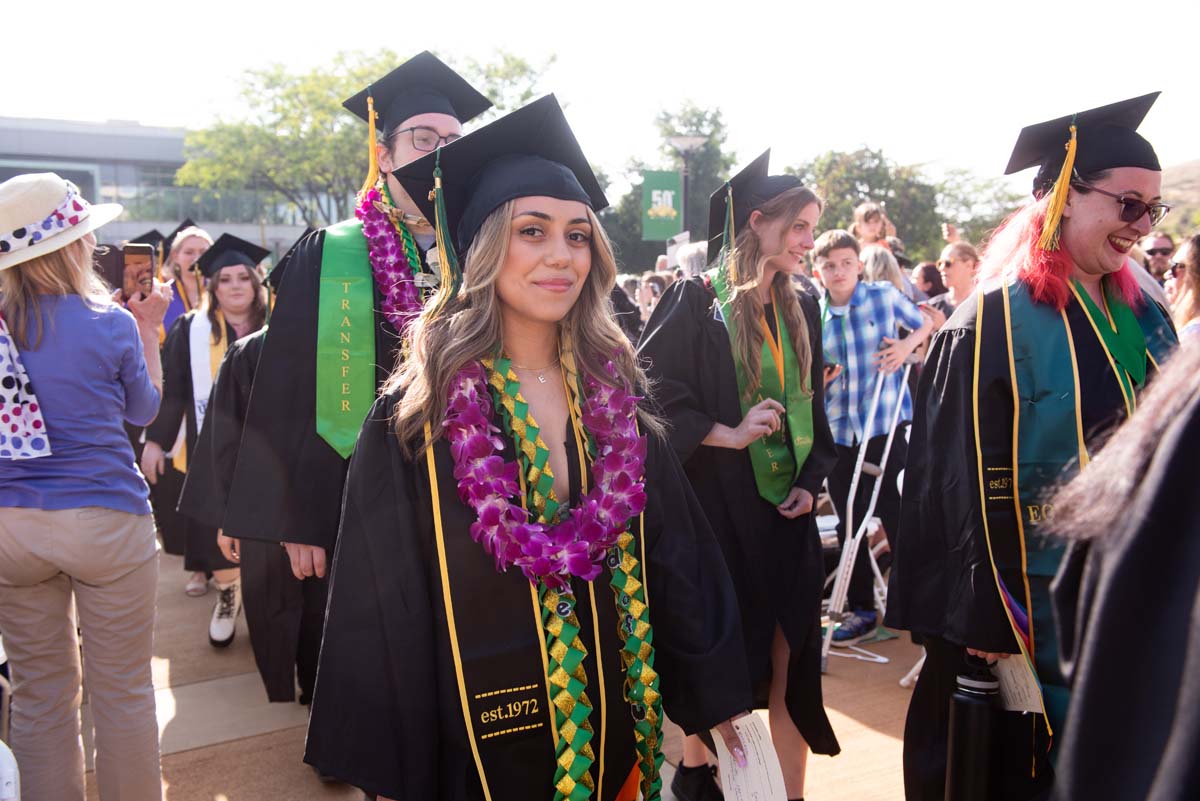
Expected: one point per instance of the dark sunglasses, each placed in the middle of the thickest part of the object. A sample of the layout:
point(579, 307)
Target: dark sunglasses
point(1160, 251)
point(1132, 209)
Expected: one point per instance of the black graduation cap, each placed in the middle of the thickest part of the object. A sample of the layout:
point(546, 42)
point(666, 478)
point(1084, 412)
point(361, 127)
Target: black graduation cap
point(169, 239)
point(530, 152)
point(752, 187)
point(421, 85)
point(153, 237)
point(1106, 137)
point(229, 250)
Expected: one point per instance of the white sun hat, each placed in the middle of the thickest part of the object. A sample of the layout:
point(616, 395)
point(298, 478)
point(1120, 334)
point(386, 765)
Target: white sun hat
point(41, 212)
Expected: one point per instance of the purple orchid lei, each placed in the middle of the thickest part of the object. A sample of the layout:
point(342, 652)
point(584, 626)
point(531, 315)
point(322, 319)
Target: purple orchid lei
point(389, 263)
point(578, 544)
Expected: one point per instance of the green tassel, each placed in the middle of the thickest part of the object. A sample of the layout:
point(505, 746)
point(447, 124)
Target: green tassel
point(450, 275)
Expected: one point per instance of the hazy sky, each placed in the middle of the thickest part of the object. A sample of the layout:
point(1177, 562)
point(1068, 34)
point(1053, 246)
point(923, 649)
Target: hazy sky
point(942, 84)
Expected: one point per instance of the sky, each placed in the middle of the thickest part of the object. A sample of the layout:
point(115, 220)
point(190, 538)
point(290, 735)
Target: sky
point(939, 84)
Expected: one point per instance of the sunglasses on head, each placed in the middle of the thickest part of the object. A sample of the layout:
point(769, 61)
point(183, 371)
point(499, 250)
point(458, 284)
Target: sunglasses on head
point(1160, 251)
point(1132, 208)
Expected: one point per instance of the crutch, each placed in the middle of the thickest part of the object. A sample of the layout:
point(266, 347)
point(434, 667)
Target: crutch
point(841, 584)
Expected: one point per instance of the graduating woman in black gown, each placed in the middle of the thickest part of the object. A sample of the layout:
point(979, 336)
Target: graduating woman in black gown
point(235, 306)
point(756, 449)
point(1019, 387)
point(523, 581)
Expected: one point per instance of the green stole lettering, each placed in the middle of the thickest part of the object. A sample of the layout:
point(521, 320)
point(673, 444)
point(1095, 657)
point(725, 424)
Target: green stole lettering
point(345, 337)
point(777, 458)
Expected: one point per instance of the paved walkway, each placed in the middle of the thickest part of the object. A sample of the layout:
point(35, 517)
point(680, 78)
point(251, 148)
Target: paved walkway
point(222, 741)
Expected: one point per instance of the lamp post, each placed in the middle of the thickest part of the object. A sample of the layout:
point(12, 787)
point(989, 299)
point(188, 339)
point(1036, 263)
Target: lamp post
point(686, 146)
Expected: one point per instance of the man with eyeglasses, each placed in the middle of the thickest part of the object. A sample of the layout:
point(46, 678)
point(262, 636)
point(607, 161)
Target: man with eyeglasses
point(1158, 247)
point(335, 330)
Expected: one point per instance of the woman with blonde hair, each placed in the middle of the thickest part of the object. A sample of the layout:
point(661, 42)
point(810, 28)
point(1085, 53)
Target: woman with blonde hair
point(1185, 272)
point(77, 540)
point(521, 567)
point(183, 248)
point(736, 358)
point(880, 265)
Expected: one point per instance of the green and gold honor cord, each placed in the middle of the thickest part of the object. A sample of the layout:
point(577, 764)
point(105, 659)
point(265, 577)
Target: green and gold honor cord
point(564, 647)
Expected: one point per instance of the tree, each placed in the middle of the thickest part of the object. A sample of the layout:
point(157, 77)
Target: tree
point(976, 205)
point(709, 167)
point(845, 180)
point(301, 145)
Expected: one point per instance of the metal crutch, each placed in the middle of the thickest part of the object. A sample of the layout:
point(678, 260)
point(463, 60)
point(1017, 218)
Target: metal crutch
point(841, 584)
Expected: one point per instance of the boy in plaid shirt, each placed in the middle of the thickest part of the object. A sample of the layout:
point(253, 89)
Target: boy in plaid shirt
point(860, 329)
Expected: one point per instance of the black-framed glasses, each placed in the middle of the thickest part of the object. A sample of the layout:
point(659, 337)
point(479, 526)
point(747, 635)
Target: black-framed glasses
point(1132, 208)
point(427, 139)
point(1160, 251)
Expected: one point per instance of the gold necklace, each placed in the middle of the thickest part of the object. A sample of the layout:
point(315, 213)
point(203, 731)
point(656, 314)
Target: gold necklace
point(540, 372)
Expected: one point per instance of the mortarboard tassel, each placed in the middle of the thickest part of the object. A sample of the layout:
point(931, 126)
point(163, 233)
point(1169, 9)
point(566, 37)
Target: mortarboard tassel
point(449, 274)
point(728, 236)
point(372, 158)
point(1058, 197)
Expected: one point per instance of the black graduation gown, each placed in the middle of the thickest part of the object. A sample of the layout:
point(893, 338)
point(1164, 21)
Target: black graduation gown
point(627, 314)
point(387, 716)
point(284, 615)
point(941, 585)
point(776, 563)
point(1126, 605)
point(288, 482)
point(201, 552)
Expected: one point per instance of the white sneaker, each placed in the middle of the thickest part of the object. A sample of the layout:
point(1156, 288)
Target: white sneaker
point(225, 614)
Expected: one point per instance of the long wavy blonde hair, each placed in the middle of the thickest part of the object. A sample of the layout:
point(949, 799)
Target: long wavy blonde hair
point(66, 271)
point(749, 262)
point(469, 329)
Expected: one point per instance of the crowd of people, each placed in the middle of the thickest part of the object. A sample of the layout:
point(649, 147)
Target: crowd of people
point(497, 510)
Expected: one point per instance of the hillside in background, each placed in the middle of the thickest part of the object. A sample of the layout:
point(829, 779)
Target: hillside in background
point(1181, 188)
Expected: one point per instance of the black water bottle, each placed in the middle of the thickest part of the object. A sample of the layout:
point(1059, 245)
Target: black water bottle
point(973, 711)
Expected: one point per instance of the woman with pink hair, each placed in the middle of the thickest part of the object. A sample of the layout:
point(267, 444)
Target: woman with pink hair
point(1047, 355)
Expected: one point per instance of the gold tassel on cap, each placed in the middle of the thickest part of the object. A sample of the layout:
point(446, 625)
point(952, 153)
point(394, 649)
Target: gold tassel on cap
point(1058, 197)
point(729, 236)
point(372, 158)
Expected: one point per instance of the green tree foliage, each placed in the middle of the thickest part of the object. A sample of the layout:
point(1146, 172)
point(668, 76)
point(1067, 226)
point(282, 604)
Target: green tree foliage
point(975, 205)
point(709, 167)
point(302, 146)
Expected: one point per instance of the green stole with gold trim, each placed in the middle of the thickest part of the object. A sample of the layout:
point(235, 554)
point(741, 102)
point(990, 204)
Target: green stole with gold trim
point(776, 458)
point(345, 337)
point(1048, 444)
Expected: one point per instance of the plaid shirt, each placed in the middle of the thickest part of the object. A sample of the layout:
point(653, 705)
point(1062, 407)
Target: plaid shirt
point(851, 338)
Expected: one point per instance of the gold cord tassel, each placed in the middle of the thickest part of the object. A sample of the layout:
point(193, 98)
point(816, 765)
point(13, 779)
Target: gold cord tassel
point(372, 158)
point(729, 235)
point(1058, 198)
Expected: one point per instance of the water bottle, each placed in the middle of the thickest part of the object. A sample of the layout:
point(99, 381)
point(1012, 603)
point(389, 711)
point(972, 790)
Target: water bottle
point(973, 711)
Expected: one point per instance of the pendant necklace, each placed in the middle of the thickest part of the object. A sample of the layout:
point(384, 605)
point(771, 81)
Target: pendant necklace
point(540, 372)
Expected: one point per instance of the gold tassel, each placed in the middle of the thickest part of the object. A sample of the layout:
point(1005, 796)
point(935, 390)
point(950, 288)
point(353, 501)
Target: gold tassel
point(1058, 198)
point(729, 235)
point(372, 158)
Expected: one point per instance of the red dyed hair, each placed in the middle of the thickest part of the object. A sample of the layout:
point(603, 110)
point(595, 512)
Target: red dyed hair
point(1013, 251)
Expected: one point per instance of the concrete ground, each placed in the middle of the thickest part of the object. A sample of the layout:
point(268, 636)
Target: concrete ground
point(222, 741)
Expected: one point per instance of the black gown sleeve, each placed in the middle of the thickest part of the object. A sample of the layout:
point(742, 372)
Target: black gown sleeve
point(1125, 604)
point(670, 349)
point(693, 608)
point(823, 455)
point(374, 721)
point(177, 381)
point(942, 583)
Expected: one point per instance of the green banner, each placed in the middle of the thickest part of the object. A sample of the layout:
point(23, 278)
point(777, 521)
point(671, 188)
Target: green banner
point(662, 205)
point(345, 337)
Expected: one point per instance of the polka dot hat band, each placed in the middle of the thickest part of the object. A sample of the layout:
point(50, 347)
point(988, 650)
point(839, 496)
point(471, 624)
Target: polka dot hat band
point(43, 212)
point(22, 427)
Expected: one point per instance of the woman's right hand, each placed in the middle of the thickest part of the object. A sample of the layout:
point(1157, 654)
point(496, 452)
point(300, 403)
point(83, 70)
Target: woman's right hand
point(150, 310)
point(763, 418)
point(153, 462)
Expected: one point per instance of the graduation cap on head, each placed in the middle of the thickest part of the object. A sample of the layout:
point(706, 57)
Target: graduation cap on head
point(421, 85)
point(229, 250)
point(530, 152)
point(169, 239)
point(749, 190)
point(1102, 138)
